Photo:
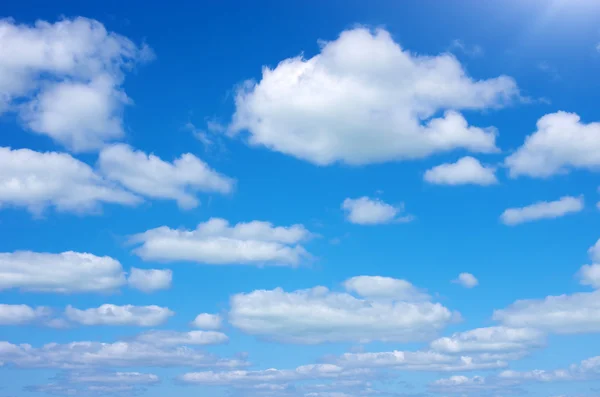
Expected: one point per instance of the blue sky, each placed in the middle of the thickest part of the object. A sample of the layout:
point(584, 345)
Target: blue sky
point(317, 199)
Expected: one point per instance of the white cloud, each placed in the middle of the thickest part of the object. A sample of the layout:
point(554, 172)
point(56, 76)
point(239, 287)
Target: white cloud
point(364, 99)
point(384, 287)
point(467, 170)
point(107, 314)
point(367, 211)
point(588, 369)
point(560, 144)
point(491, 339)
point(67, 272)
point(318, 315)
point(590, 275)
point(594, 251)
point(22, 314)
point(120, 354)
point(148, 175)
point(150, 280)
point(563, 314)
point(182, 338)
point(36, 181)
point(467, 280)
point(542, 210)
point(419, 361)
point(467, 386)
point(215, 242)
point(305, 372)
point(207, 321)
point(64, 79)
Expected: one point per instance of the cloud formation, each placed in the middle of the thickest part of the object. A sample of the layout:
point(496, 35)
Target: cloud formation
point(542, 210)
point(364, 99)
point(465, 171)
point(368, 211)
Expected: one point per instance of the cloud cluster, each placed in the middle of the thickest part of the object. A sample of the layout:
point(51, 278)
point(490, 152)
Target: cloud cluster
point(216, 242)
point(107, 314)
point(39, 180)
point(319, 315)
point(64, 79)
point(364, 99)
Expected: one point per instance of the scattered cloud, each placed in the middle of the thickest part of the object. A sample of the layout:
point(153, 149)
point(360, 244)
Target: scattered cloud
point(22, 314)
point(150, 280)
point(465, 171)
point(174, 338)
point(208, 321)
point(364, 99)
point(64, 79)
point(107, 314)
point(560, 144)
point(367, 211)
point(491, 339)
point(542, 210)
point(318, 315)
point(467, 280)
point(215, 242)
point(149, 176)
point(39, 180)
point(472, 51)
point(590, 275)
point(85, 354)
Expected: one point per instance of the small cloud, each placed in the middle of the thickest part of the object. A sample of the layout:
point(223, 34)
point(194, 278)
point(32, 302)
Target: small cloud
point(550, 70)
point(467, 280)
point(459, 45)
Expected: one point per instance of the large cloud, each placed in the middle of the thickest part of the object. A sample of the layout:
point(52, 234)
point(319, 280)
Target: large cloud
point(318, 315)
point(37, 180)
point(560, 144)
point(364, 99)
point(150, 176)
point(64, 79)
point(215, 242)
point(22, 314)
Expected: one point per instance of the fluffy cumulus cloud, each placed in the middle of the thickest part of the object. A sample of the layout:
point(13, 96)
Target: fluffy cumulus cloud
point(107, 314)
point(22, 314)
point(216, 242)
point(64, 79)
point(150, 176)
point(364, 99)
point(67, 272)
point(561, 143)
point(167, 338)
point(588, 369)
point(39, 180)
point(563, 314)
point(594, 251)
point(319, 315)
point(542, 210)
point(491, 339)
point(150, 280)
point(367, 211)
point(86, 354)
point(467, 170)
point(467, 280)
point(207, 321)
